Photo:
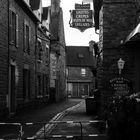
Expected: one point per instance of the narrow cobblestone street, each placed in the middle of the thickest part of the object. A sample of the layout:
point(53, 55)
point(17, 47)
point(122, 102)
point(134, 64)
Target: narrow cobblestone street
point(40, 116)
point(76, 124)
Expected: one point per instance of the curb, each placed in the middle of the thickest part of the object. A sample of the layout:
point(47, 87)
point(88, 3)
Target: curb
point(48, 127)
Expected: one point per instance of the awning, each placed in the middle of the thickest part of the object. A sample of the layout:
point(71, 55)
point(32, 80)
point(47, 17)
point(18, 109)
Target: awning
point(134, 35)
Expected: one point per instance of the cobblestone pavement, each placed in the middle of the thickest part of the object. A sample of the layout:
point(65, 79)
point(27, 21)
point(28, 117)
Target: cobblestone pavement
point(39, 116)
point(76, 124)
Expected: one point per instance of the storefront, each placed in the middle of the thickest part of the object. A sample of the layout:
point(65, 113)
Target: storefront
point(78, 90)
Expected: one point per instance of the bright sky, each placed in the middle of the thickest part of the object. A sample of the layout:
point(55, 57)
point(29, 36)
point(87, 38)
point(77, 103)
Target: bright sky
point(73, 36)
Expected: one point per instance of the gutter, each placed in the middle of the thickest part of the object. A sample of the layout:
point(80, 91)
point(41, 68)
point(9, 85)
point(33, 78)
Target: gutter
point(27, 10)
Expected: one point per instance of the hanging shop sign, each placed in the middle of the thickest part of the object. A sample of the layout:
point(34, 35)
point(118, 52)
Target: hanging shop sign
point(82, 17)
point(121, 85)
point(82, 6)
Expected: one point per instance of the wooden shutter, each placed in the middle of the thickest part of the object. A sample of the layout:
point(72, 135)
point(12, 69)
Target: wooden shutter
point(10, 26)
point(17, 35)
point(24, 36)
point(29, 39)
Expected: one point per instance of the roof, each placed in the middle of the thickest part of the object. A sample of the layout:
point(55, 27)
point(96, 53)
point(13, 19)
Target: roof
point(35, 4)
point(134, 35)
point(80, 56)
point(45, 13)
point(27, 10)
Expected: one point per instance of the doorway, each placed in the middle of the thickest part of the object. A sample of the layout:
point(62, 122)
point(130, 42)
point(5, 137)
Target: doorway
point(12, 107)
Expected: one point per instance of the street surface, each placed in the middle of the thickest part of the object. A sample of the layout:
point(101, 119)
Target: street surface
point(9, 128)
point(77, 125)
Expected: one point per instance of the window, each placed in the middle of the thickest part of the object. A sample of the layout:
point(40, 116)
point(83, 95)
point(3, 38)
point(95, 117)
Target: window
point(80, 55)
point(26, 47)
point(39, 50)
point(67, 71)
point(47, 84)
point(43, 84)
point(69, 89)
point(13, 28)
point(83, 72)
point(39, 85)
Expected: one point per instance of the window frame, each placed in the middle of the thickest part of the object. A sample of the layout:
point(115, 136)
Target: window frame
point(26, 47)
point(13, 41)
point(83, 72)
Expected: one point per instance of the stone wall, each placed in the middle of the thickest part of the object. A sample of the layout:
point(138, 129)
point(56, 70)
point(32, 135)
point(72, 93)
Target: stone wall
point(61, 95)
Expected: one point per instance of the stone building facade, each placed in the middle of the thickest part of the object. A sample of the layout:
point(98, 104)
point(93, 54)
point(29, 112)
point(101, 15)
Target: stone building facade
point(19, 34)
point(115, 19)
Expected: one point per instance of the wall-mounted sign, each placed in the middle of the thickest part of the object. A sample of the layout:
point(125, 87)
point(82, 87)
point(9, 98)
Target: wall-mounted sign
point(121, 85)
point(81, 17)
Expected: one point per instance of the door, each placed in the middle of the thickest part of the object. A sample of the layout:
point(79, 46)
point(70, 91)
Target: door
point(26, 84)
point(83, 89)
point(12, 90)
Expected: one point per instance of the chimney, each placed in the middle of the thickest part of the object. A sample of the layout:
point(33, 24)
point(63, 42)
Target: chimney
point(55, 5)
point(91, 45)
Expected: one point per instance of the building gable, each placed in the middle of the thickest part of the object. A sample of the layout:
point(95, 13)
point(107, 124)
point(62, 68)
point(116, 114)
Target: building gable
point(80, 56)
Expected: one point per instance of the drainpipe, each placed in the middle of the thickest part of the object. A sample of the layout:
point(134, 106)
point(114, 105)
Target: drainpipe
point(36, 28)
point(8, 60)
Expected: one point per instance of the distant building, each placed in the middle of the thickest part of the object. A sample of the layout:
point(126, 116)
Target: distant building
point(80, 66)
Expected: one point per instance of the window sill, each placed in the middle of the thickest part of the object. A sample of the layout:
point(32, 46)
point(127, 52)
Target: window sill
point(39, 61)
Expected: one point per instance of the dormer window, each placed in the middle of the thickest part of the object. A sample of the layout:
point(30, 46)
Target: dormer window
point(80, 55)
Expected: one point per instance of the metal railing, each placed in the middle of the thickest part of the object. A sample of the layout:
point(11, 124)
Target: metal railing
point(20, 132)
point(44, 130)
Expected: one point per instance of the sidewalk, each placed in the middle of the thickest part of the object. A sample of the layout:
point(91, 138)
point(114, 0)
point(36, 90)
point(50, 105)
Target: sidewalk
point(44, 114)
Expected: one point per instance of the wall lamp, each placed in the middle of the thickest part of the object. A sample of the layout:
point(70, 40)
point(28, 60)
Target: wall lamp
point(120, 65)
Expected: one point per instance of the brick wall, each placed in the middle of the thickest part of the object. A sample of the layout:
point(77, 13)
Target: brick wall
point(117, 19)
